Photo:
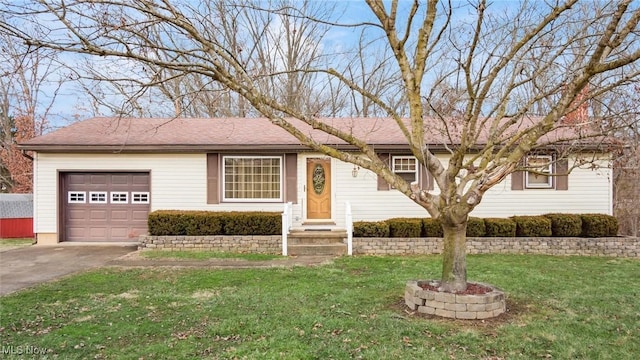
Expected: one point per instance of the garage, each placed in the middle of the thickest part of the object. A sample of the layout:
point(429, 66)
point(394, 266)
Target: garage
point(104, 206)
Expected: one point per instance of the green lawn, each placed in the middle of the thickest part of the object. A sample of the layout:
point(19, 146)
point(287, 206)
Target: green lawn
point(15, 242)
point(206, 255)
point(560, 307)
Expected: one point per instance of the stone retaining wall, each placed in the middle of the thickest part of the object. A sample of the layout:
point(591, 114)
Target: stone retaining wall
point(271, 244)
point(455, 306)
point(615, 247)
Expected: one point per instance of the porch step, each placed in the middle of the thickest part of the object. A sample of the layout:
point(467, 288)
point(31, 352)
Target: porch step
point(317, 242)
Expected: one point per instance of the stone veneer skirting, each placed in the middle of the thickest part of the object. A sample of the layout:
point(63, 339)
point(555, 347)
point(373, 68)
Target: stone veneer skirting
point(272, 244)
point(269, 244)
point(614, 246)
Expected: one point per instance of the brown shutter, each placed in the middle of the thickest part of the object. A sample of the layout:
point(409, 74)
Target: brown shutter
point(517, 180)
point(382, 183)
point(426, 180)
point(291, 178)
point(562, 181)
point(213, 184)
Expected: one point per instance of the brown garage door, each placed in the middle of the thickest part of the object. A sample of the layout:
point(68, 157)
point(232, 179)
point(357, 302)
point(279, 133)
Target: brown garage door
point(104, 206)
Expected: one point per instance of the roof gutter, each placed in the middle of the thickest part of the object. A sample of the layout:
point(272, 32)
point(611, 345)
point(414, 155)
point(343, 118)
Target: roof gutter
point(186, 148)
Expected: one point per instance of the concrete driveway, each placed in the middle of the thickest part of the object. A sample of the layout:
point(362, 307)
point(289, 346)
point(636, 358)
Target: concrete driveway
point(27, 266)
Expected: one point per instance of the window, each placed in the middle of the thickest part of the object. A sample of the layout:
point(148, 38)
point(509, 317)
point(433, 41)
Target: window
point(76, 197)
point(251, 178)
point(539, 174)
point(98, 197)
point(139, 197)
point(406, 167)
point(119, 197)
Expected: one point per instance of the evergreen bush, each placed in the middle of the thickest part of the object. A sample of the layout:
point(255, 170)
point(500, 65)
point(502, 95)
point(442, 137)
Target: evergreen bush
point(201, 223)
point(475, 227)
point(253, 223)
point(166, 222)
point(405, 227)
point(565, 225)
point(532, 226)
point(370, 229)
point(431, 228)
point(599, 225)
point(499, 227)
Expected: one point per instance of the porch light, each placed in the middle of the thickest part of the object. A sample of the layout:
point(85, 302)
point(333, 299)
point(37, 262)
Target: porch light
point(355, 170)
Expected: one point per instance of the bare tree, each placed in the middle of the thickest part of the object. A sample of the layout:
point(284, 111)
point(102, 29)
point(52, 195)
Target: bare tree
point(627, 163)
point(502, 61)
point(264, 43)
point(29, 83)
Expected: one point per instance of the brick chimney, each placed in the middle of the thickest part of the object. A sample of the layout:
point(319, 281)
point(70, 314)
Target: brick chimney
point(580, 115)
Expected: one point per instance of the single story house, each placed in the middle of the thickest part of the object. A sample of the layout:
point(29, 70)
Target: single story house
point(97, 180)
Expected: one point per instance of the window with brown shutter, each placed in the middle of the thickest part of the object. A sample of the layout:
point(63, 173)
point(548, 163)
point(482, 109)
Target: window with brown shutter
point(291, 177)
point(383, 185)
point(408, 168)
point(213, 184)
point(538, 178)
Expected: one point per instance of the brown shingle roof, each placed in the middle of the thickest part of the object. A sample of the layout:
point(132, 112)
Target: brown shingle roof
point(197, 134)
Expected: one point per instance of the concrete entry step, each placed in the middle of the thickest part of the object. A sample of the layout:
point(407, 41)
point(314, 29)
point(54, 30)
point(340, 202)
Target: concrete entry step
point(317, 250)
point(317, 242)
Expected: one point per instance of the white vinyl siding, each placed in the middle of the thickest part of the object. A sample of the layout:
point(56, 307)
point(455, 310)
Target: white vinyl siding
point(589, 192)
point(178, 181)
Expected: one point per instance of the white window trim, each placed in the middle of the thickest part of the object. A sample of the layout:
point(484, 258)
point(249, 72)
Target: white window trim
point(415, 172)
point(548, 170)
point(125, 193)
point(141, 193)
point(224, 182)
point(76, 193)
point(91, 193)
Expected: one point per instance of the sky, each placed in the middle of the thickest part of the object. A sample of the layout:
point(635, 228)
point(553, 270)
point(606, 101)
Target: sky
point(71, 105)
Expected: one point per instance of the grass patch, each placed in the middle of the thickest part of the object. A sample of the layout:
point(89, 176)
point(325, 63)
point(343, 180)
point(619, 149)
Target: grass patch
point(16, 242)
point(206, 255)
point(560, 307)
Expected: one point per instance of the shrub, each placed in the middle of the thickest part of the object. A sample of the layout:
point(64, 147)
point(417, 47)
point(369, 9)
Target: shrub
point(202, 223)
point(253, 223)
point(370, 229)
point(405, 227)
point(599, 225)
point(532, 226)
point(194, 223)
point(499, 227)
point(565, 225)
point(475, 227)
point(431, 227)
point(166, 222)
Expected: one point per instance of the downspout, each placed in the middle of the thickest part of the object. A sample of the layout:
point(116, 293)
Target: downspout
point(611, 174)
point(24, 153)
point(34, 199)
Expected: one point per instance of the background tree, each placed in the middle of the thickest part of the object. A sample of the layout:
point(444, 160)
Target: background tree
point(29, 83)
point(627, 164)
point(481, 70)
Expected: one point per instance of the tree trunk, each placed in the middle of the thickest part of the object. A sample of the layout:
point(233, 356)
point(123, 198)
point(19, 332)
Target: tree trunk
point(454, 262)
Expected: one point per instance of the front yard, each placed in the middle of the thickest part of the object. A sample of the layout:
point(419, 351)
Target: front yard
point(559, 307)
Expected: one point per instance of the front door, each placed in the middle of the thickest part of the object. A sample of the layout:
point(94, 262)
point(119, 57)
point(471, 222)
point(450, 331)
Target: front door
point(318, 188)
